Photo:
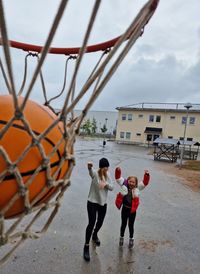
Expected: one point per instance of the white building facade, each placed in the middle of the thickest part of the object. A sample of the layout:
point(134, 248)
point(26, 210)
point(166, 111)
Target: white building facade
point(107, 118)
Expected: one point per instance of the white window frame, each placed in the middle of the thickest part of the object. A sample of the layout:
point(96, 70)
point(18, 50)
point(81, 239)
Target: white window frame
point(158, 116)
point(151, 116)
point(123, 116)
point(184, 119)
point(130, 117)
point(122, 134)
point(128, 135)
point(192, 120)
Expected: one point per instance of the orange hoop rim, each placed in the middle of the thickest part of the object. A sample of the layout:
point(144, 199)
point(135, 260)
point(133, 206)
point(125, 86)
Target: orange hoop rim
point(73, 50)
point(66, 51)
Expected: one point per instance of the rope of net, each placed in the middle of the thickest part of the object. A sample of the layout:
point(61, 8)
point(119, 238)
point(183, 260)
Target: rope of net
point(13, 233)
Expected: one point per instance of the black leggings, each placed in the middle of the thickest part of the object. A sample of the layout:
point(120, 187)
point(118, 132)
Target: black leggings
point(126, 215)
point(96, 214)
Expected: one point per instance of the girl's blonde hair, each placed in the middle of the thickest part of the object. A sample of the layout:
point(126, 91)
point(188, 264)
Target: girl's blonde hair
point(102, 174)
point(135, 178)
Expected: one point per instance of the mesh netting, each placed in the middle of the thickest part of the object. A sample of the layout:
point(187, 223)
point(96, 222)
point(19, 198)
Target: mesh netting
point(36, 141)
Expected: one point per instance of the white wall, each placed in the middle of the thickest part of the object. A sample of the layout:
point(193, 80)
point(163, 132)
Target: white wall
point(100, 117)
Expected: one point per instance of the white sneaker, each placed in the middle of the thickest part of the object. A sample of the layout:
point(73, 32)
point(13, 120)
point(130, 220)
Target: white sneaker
point(131, 243)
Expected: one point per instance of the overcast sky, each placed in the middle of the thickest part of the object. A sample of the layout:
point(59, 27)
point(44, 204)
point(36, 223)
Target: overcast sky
point(163, 65)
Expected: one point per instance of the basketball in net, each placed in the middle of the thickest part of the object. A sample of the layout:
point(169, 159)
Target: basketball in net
point(15, 141)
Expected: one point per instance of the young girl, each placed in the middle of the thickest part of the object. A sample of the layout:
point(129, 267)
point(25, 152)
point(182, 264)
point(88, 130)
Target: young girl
point(96, 204)
point(129, 198)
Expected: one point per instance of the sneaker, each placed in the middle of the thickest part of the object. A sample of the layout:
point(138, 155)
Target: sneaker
point(121, 241)
point(96, 240)
point(131, 243)
point(86, 253)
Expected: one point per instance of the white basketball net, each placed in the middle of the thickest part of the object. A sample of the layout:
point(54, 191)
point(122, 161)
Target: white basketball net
point(14, 232)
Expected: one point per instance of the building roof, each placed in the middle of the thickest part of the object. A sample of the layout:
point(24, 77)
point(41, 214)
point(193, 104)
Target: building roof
point(175, 107)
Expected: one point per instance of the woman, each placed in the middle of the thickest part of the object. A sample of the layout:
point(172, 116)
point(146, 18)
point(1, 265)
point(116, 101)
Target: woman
point(97, 203)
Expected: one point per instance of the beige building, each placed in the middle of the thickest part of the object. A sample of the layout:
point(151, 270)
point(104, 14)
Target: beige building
point(143, 123)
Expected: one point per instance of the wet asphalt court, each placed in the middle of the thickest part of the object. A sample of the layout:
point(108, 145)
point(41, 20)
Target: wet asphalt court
point(167, 227)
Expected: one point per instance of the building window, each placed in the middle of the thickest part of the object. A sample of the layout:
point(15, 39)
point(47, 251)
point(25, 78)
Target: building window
point(184, 119)
point(189, 139)
point(123, 117)
point(158, 118)
point(128, 135)
point(130, 117)
point(181, 138)
point(121, 134)
point(170, 137)
point(140, 116)
point(192, 120)
point(138, 134)
point(172, 117)
point(149, 137)
point(151, 118)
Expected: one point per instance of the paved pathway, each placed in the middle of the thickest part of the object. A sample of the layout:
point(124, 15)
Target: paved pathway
point(167, 229)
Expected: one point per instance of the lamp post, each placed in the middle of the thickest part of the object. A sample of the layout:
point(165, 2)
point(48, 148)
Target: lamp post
point(104, 141)
point(187, 106)
point(106, 119)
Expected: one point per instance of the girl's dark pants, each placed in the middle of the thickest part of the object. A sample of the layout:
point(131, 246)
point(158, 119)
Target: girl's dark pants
point(127, 216)
point(96, 214)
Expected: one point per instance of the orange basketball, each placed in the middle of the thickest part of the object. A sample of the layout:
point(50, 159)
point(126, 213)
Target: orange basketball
point(15, 141)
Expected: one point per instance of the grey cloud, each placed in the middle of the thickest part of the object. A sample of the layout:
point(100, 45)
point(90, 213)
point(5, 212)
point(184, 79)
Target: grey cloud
point(163, 65)
point(165, 80)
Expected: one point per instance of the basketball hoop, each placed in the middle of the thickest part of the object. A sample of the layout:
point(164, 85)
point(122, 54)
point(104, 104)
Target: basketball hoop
point(36, 142)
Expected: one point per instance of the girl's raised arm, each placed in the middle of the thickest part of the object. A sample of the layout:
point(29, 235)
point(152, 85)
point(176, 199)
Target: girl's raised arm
point(145, 180)
point(118, 176)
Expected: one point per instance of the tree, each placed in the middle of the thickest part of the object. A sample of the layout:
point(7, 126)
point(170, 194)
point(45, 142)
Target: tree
point(104, 129)
point(87, 127)
point(94, 125)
